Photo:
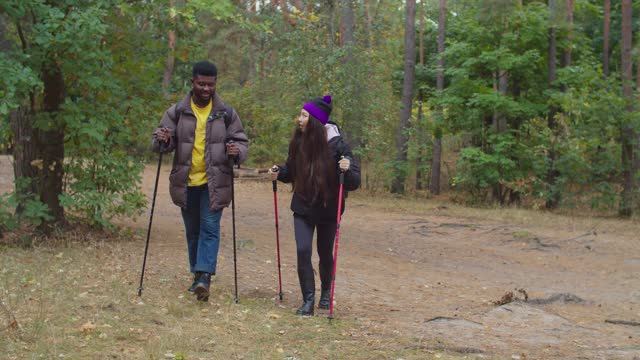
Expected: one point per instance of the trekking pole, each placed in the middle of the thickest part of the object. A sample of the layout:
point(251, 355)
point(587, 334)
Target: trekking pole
point(335, 249)
point(231, 161)
point(275, 206)
point(153, 203)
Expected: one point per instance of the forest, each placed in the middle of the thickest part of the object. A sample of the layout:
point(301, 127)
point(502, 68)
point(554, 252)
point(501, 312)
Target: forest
point(522, 103)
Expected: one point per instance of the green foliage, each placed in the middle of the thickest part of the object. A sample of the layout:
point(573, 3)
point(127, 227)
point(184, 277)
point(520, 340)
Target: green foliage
point(15, 82)
point(110, 89)
point(113, 54)
point(266, 125)
point(103, 187)
point(32, 211)
point(505, 172)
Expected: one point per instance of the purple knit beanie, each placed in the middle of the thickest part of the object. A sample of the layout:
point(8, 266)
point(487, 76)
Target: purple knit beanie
point(320, 108)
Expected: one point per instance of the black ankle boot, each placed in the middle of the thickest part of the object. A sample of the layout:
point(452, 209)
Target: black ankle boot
point(307, 306)
point(308, 289)
point(192, 288)
point(202, 286)
point(325, 299)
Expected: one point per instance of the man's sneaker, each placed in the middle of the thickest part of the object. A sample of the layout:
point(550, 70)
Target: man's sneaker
point(202, 286)
point(192, 288)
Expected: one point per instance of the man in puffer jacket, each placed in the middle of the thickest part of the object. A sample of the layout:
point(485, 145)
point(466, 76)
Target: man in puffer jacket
point(204, 132)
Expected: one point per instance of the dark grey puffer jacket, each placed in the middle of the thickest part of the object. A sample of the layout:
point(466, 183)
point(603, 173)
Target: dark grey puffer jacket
point(183, 128)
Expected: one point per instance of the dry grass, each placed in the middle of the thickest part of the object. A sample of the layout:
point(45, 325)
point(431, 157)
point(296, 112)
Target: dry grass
point(77, 300)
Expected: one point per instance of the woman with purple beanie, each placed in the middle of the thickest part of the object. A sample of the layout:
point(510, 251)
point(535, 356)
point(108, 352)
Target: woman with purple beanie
point(317, 154)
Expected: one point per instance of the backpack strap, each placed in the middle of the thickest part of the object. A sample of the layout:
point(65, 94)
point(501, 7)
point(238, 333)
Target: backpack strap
point(227, 114)
point(176, 113)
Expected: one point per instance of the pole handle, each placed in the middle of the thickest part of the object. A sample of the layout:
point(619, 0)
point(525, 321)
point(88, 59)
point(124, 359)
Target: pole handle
point(163, 147)
point(232, 159)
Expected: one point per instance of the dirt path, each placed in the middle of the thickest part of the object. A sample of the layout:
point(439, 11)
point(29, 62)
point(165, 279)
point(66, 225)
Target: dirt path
point(434, 277)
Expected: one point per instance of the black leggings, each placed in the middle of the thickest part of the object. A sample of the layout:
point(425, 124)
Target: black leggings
point(304, 245)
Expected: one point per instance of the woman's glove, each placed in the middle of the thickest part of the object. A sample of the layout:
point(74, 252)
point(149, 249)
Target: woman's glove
point(273, 172)
point(344, 164)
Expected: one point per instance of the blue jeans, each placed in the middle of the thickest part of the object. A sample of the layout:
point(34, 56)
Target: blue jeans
point(203, 230)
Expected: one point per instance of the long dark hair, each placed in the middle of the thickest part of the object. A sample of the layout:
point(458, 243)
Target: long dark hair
point(312, 169)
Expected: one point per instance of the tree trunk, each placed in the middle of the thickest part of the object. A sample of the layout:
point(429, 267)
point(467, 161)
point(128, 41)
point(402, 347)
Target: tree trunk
point(369, 23)
point(332, 23)
point(171, 58)
point(607, 26)
point(39, 153)
point(441, 39)
point(352, 114)
point(420, 138)
point(566, 56)
point(420, 156)
point(51, 145)
point(347, 26)
point(285, 12)
point(421, 33)
point(501, 86)
point(632, 108)
point(638, 70)
point(434, 184)
point(25, 153)
point(503, 90)
point(553, 199)
point(629, 162)
point(397, 185)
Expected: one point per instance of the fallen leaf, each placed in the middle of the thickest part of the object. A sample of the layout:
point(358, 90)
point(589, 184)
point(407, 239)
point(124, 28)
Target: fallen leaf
point(88, 327)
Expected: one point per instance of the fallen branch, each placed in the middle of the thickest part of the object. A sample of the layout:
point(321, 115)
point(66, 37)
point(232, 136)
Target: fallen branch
point(455, 349)
point(623, 322)
point(564, 298)
point(581, 236)
point(445, 318)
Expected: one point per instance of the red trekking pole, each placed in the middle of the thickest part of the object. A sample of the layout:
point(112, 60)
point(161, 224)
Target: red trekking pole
point(335, 249)
point(275, 206)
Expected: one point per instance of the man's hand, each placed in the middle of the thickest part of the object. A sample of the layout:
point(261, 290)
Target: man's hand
point(273, 172)
point(163, 134)
point(232, 149)
point(344, 164)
